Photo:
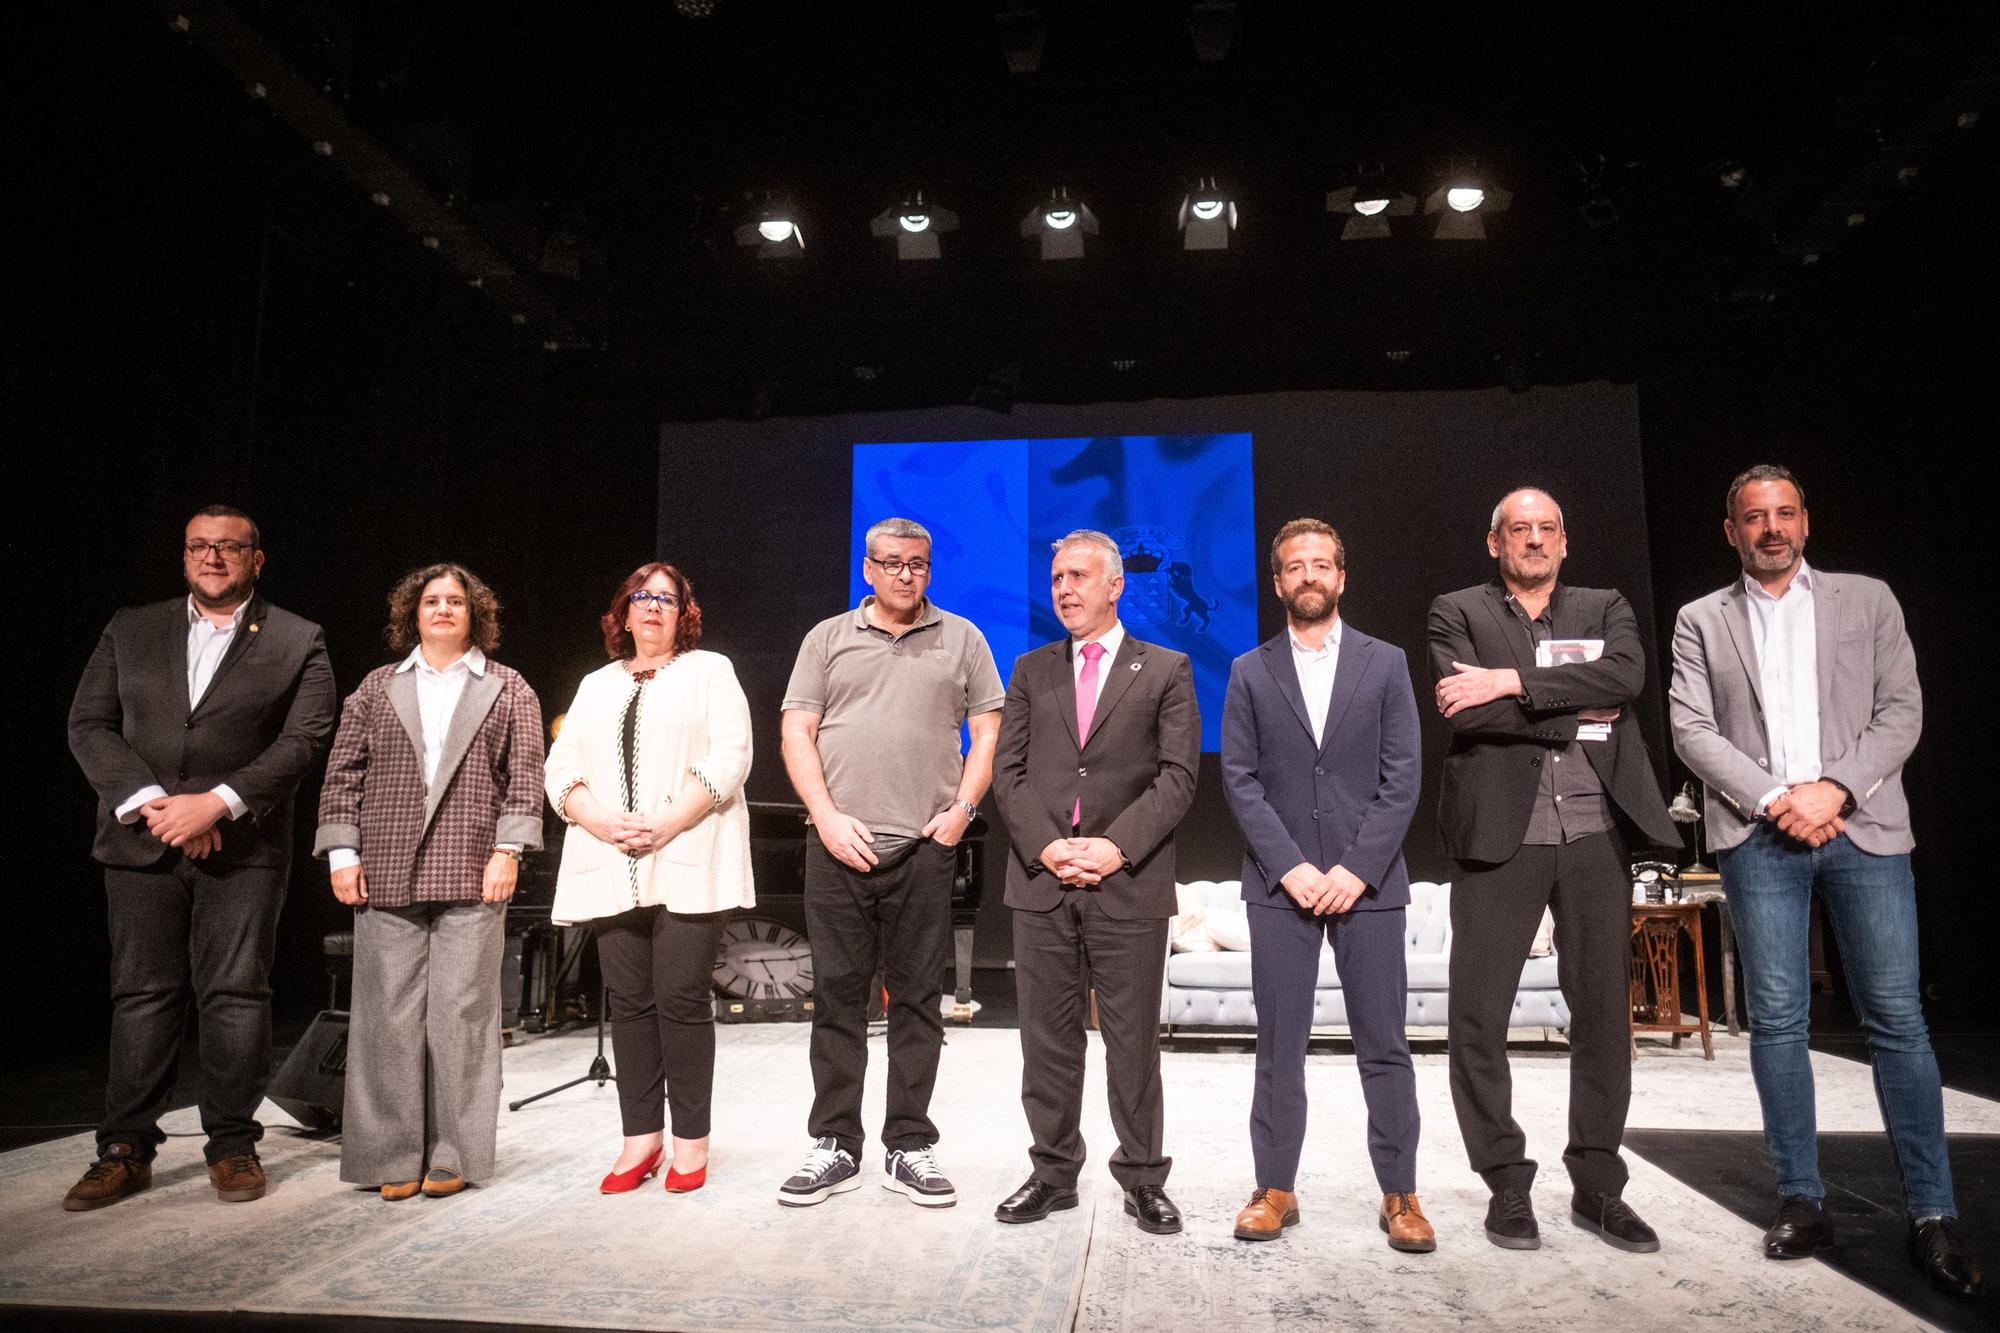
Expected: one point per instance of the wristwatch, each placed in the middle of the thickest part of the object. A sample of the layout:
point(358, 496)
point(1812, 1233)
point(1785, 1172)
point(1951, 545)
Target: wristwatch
point(971, 810)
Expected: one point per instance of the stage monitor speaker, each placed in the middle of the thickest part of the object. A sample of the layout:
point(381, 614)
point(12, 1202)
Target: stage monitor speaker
point(310, 1086)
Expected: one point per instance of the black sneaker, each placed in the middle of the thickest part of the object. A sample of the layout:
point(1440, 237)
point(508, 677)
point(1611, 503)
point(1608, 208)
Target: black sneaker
point(1510, 1221)
point(915, 1173)
point(1613, 1220)
point(827, 1170)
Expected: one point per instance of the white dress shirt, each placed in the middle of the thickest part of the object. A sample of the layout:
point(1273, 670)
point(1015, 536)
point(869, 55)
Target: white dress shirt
point(1112, 639)
point(438, 693)
point(1315, 667)
point(206, 646)
point(1786, 637)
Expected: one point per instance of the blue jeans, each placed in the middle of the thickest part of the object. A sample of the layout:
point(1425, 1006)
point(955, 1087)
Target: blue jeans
point(1871, 903)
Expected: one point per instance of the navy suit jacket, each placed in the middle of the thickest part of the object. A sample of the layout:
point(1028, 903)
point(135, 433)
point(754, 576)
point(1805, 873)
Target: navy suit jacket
point(1346, 800)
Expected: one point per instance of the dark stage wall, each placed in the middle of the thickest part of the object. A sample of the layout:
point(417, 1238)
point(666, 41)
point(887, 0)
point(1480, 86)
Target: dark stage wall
point(1409, 480)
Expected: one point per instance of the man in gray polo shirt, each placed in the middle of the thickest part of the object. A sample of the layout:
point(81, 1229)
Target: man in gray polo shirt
point(871, 729)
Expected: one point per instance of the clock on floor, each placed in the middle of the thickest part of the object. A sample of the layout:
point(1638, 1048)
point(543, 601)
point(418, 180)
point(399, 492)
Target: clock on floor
point(762, 959)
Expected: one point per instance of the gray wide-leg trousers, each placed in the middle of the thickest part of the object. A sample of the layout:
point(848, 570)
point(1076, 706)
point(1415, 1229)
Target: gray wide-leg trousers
point(423, 1046)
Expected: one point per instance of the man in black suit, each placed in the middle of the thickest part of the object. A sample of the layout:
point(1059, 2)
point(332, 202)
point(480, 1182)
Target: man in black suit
point(195, 721)
point(1546, 784)
point(1099, 742)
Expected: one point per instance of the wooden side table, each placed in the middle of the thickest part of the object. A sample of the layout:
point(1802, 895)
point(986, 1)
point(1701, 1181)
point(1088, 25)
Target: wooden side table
point(1656, 973)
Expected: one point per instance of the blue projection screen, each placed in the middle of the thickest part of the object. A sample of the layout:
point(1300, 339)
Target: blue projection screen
point(1179, 507)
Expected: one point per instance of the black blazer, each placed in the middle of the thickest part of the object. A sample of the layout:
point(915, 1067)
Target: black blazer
point(262, 723)
point(1135, 774)
point(1497, 750)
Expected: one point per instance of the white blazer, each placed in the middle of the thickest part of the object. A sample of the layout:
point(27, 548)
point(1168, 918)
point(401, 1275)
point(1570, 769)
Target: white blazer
point(692, 719)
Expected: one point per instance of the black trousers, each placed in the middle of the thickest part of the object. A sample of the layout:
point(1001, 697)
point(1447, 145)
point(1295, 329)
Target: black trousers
point(659, 969)
point(895, 919)
point(1495, 910)
point(1059, 957)
point(186, 935)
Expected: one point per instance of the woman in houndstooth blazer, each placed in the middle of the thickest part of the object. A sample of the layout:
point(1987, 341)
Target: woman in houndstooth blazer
point(433, 788)
point(649, 768)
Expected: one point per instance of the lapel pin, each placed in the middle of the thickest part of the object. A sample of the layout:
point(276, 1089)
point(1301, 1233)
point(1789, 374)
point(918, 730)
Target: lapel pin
point(1135, 666)
point(253, 627)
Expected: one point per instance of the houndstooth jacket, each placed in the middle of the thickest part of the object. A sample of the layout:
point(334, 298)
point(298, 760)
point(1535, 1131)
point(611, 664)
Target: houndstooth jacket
point(430, 844)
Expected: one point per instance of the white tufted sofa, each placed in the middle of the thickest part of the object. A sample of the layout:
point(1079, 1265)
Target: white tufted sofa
point(1213, 989)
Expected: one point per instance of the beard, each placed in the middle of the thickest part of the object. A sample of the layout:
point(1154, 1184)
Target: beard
point(237, 590)
point(1773, 561)
point(1311, 604)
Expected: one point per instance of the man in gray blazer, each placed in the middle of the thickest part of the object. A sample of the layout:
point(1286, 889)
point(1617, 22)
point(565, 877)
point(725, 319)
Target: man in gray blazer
point(1795, 701)
point(1546, 785)
point(1322, 763)
point(1099, 742)
point(195, 721)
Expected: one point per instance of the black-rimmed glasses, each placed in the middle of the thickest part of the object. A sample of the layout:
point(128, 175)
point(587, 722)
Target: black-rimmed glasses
point(666, 601)
point(894, 568)
point(228, 550)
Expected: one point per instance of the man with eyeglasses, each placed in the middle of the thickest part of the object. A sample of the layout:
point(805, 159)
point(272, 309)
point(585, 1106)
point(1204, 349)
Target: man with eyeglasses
point(195, 721)
point(871, 742)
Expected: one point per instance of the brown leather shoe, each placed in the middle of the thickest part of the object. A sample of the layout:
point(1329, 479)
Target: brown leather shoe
point(1409, 1230)
point(237, 1179)
point(401, 1189)
point(440, 1182)
point(116, 1173)
point(1267, 1215)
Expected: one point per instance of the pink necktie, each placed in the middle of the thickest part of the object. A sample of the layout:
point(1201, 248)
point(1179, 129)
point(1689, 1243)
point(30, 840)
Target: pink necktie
point(1086, 709)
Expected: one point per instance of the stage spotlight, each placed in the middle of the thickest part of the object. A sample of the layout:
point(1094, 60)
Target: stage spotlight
point(1207, 217)
point(916, 224)
point(1370, 202)
point(1212, 27)
point(1061, 223)
point(1464, 201)
point(1023, 32)
point(774, 230)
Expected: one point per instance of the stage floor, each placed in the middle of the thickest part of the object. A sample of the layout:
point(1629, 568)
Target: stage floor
point(539, 1246)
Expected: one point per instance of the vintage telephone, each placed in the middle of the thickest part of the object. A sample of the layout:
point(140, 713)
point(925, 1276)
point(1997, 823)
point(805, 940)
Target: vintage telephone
point(1650, 880)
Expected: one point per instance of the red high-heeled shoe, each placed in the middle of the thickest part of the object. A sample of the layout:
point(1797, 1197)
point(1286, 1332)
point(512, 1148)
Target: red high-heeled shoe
point(621, 1182)
point(686, 1184)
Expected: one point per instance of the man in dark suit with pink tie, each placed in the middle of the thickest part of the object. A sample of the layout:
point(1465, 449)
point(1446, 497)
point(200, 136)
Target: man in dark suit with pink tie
point(1321, 760)
point(1099, 740)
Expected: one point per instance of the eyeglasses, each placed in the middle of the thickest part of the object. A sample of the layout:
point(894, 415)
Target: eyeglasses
point(894, 568)
point(666, 601)
point(198, 550)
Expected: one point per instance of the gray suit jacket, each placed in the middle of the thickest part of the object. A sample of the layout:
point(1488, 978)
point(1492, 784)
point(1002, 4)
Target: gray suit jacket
point(1135, 773)
point(259, 728)
point(1871, 710)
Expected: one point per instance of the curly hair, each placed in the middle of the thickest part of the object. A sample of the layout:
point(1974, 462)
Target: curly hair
point(481, 605)
point(687, 630)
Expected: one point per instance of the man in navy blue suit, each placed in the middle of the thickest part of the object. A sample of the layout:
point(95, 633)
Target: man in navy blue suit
point(1321, 760)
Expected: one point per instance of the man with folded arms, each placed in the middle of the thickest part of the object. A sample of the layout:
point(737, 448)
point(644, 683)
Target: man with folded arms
point(1539, 817)
point(1795, 701)
point(1321, 760)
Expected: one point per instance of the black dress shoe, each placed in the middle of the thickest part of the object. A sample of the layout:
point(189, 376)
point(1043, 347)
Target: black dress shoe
point(1035, 1201)
point(1939, 1251)
point(1613, 1220)
point(1510, 1221)
point(1155, 1211)
point(1802, 1229)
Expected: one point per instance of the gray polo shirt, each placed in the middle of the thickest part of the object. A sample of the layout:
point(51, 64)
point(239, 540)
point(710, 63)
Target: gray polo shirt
point(890, 707)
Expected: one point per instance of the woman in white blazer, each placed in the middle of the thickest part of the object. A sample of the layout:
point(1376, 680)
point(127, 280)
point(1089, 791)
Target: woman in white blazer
point(648, 771)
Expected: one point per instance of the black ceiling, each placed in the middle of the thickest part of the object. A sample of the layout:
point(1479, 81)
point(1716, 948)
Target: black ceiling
point(596, 156)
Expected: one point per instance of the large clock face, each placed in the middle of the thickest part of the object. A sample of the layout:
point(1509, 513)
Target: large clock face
point(762, 959)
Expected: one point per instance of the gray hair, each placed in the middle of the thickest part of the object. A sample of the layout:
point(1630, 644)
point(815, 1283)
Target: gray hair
point(1114, 562)
point(1761, 472)
point(894, 527)
point(1494, 524)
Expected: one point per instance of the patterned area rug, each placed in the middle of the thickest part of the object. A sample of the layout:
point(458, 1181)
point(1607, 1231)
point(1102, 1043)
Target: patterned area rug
point(539, 1245)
